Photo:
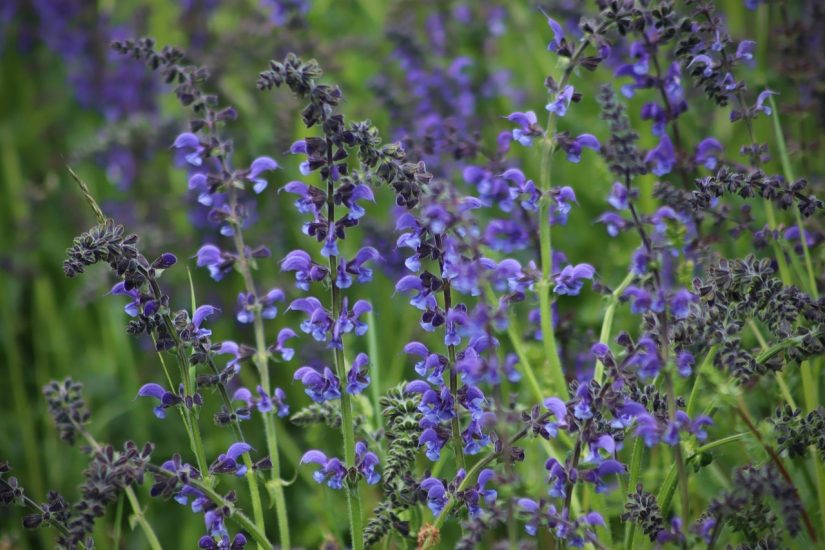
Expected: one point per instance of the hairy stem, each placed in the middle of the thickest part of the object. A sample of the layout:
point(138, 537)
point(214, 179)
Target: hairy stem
point(261, 358)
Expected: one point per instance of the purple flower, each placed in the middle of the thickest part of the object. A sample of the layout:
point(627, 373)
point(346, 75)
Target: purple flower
point(613, 222)
point(279, 347)
point(528, 127)
point(359, 192)
point(558, 41)
point(366, 462)
point(662, 157)
point(167, 399)
point(318, 321)
point(306, 271)
point(707, 153)
point(132, 309)
point(358, 377)
point(259, 165)
point(704, 60)
point(355, 267)
point(264, 403)
point(332, 470)
point(349, 321)
point(571, 279)
point(619, 195)
point(680, 303)
point(574, 147)
point(228, 461)
point(431, 366)
point(560, 105)
point(200, 315)
point(208, 542)
point(563, 198)
point(640, 299)
point(605, 468)
point(247, 304)
point(310, 198)
point(760, 102)
point(434, 437)
point(436, 494)
point(473, 436)
point(745, 50)
point(218, 262)
point(684, 363)
point(473, 496)
point(319, 386)
point(192, 147)
point(559, 410)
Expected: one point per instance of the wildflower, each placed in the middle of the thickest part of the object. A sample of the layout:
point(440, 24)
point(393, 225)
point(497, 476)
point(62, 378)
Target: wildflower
point(366, 462)
point(228, 461)
point(332, 470)
point(247, 304)
point(319, 386)
point(167, 399)
point(259, 165)
point(574, 147)
point(283, 335)
point(571, 279)
point(191, 145)
point(218, 262)
point(561, 103)
point(356, 268)
point(358, 377)
point(662, 157)
point(760, 102)
point(436, 494)
point(477, 493)
point(528, 127)
point(707, 153)
point(306, 270)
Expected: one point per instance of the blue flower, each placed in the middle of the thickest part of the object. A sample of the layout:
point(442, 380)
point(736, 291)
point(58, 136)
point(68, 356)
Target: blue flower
point(228, 461)
point(704, 60)
point(365, 463)
point(259, 165)
point(436, 494)
point(319, 386)
point(574, 147)
point(358, 377)
point(707, 153)
point(306, 270)
point(191, 145)
point(218, 262)
point(760, 102)
point(167, 399)
point(662, 157)
point(561, 103)
point(571, 279)
point(279, 347)
point(355, 267)
point(528, 127)
point(332, 470)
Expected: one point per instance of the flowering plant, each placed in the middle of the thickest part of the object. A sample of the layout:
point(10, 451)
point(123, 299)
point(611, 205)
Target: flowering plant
point(544, 396)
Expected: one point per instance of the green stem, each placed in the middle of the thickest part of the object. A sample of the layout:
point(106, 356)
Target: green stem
point(707, 363)
point(375, 370)
point(261, 358)
point(548, 147)
point(154, 543)
point(347, 424)
point(607, 323)
point(789, 178)
point(632, 481)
